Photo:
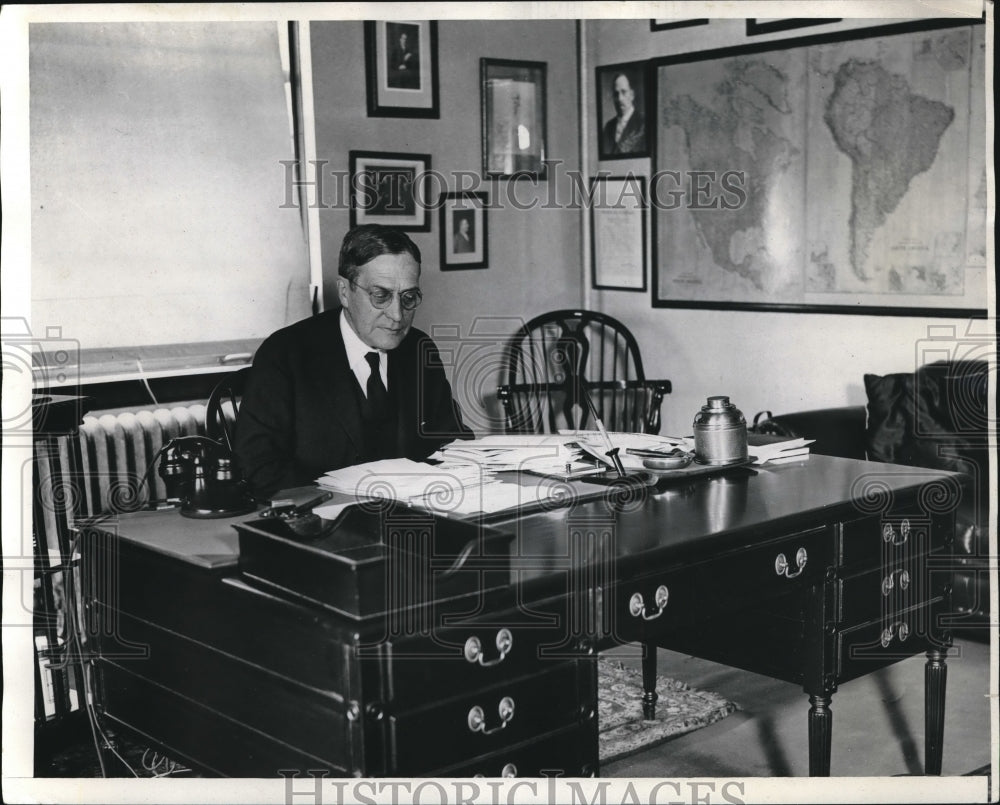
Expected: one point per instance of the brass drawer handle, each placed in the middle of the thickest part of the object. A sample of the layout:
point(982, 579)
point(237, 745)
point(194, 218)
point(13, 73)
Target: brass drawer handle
point(901, 629)
point(637, 607)
point(888, 582)
point(477, 718)
point(889, 533)
point(474, 649)
point(782, 568)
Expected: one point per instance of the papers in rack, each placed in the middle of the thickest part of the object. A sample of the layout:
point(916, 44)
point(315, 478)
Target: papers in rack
point(551, 453)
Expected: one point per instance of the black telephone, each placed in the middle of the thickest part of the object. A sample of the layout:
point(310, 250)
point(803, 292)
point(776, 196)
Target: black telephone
point(201, 476)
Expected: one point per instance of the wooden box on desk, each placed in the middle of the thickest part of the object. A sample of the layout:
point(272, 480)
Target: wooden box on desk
point(374, 557)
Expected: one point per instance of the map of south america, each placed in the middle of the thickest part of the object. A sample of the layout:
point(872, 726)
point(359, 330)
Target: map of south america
point(890, 134)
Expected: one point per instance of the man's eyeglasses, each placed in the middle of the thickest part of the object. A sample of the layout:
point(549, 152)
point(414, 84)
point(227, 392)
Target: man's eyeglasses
point(381, 298)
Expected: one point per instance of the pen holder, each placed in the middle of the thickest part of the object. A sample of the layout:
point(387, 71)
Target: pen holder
point(619, 475)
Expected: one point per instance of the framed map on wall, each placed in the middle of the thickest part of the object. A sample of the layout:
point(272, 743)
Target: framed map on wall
point(825, 174)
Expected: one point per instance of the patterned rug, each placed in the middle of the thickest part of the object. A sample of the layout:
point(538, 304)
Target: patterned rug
point(680, 709)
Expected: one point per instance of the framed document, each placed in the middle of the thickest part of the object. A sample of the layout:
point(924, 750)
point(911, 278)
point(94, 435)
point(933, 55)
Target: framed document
point(513, 118)
point(618, 232)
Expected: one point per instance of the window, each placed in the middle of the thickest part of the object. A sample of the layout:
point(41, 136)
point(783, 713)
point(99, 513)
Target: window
point(162, 234)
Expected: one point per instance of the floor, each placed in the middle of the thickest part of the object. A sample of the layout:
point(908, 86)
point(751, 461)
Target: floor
point(878, 722)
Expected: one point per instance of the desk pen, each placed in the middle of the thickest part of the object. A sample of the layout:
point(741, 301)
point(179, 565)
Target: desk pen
point(612, 451)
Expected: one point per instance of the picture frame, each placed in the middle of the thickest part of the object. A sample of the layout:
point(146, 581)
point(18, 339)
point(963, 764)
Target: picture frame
point(401, 68)
point(666, 24)
point(926, 253)
point(513, 105)
point(464, 231)
point(757, 26)
point(390, 188)
point(619, 85)
point(618, 210)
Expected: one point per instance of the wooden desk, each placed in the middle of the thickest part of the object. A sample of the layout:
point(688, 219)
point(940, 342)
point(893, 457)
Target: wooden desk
point(815, 573)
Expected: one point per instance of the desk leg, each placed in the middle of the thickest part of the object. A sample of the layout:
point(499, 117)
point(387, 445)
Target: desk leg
point(935, 679)
point(820, 735)
point(649, 694)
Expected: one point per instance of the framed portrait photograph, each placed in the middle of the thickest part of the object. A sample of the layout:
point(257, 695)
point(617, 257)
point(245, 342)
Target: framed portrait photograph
point(622, 111)
point(401, 69)
point(513, 103)
point(390, 189)
point(618, 232)
point(464, 233)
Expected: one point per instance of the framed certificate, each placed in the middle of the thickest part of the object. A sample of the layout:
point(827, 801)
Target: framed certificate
point(618, 232)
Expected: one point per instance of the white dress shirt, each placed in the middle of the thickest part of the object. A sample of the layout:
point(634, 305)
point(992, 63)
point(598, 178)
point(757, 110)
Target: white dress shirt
point(356, 351)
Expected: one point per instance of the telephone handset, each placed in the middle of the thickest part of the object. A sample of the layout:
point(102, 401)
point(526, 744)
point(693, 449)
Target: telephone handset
point(199, 473)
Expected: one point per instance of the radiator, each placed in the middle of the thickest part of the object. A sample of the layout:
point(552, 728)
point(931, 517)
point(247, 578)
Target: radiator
point(111, 466)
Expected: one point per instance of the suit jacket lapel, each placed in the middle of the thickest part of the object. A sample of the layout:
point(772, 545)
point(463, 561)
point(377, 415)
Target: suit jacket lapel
point(337, 385)
point(404, 387)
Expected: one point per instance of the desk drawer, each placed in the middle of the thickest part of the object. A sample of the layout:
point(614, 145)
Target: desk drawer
point(190, 732)
point(479, 723)
point(882, 593)
point(223, 612)
point(644, 607)
point(311, 720)
point(893, 537)
point(571, 752)
point(456, 660)
point(865, 648)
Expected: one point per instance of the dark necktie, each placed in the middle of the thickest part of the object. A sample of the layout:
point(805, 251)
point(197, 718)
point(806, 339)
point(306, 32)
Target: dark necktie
point(378, 397)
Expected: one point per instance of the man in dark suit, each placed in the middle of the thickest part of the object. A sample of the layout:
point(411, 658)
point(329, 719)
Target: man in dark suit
point(404, 60)
point(625, 133)
point(348, 386)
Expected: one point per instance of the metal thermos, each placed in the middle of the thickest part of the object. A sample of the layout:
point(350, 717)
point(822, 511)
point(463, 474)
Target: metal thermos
point(720, 433)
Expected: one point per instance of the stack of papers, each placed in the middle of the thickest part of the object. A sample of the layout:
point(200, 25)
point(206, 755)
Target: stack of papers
point(540, 453)
point(456, 488)
point(781, 452)
point(402, 479)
